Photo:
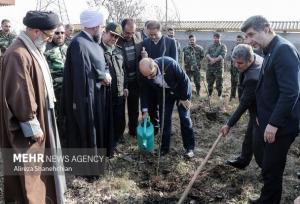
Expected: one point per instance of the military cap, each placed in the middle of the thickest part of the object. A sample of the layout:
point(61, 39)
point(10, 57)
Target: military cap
point(43, 20)
point(114, 28)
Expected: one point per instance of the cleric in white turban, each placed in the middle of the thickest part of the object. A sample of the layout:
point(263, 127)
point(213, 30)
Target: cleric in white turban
point(86, 97)
point(93, 17)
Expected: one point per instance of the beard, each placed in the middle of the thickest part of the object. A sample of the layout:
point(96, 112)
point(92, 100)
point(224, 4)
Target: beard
point(97, 37)
point(40, 44)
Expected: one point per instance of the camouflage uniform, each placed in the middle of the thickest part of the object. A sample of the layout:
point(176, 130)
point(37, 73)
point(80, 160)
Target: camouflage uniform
point(234, 73)
point(215, 71)
point(56, 57)
point(5, 41)
point(192, 60)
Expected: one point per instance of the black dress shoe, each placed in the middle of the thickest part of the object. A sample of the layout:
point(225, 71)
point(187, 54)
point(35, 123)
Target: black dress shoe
point(237, 163)
point(298, 175)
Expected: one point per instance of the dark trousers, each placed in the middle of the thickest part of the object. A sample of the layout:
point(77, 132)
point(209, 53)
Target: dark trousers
point(272, 157)
point(247, 146)
point(214, 74)
point(234, 83)
point(153, 109)
point(133, 106)
point(258, 144)
point(186, 125)
point(118, 109)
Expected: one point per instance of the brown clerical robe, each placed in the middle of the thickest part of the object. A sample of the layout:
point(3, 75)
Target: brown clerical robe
point(23, 98)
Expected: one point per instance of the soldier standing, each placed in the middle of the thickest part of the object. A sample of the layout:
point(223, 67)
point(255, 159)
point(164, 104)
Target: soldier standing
point(114, 59)
point(234, 73)
point(55, 55)
point(56, 50)
point(215, 55)
point(193, 54)
point(6, 36)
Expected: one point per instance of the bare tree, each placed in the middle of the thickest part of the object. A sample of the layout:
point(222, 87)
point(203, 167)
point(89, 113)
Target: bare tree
point(158, 12)
point(120, 9)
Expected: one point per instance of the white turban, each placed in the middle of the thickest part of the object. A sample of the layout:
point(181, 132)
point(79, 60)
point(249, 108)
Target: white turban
point(93, 17)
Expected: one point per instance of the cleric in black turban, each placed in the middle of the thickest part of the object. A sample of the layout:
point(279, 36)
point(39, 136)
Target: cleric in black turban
point(43, 20)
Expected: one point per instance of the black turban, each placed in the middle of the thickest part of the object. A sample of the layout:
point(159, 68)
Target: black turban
point(43, 20)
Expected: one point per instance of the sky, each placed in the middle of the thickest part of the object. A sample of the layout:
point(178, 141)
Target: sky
point(188, 10)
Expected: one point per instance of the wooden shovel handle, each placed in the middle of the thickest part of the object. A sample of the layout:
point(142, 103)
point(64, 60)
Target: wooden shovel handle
point(188, 188)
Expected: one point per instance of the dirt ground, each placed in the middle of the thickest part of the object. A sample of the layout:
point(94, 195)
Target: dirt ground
point(131, 177)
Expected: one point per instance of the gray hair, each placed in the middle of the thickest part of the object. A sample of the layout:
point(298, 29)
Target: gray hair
point(153, 25)
point(257, 22)
point(68, 26)
point(242, 51)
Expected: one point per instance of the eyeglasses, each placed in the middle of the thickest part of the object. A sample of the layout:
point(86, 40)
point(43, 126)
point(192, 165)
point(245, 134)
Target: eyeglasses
point(57, 33)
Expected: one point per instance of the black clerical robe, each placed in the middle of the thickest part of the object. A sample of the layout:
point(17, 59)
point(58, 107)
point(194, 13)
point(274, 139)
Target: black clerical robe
point(86, 103)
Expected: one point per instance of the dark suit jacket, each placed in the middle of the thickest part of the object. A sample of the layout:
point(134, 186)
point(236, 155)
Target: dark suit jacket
point(176, 79)
point(277, 93)
point(156, 50)
point(247, 86)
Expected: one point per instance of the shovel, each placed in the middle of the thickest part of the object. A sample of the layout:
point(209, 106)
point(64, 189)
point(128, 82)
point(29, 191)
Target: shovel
point(188, 188)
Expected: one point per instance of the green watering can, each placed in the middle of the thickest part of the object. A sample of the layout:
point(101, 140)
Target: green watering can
point(145, 135)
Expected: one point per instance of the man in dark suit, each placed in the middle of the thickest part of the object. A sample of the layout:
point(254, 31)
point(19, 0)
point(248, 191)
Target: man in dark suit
point(155, 46)
point(248, 64)
point(277, 97)
point(178, 90)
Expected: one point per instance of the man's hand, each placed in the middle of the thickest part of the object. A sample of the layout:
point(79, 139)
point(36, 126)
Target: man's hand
point(211, 60)
point(107, 79)
point(270, 133)
point(224, 130)
point(39, 137)
point(214, 60)
point(144, 53)
point(185, 103)
point(126, 92)
point(144, 115)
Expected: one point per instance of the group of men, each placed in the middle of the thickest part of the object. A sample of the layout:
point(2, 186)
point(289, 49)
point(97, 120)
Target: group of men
point(269, 89)
point(105, 64)
point(96, 72)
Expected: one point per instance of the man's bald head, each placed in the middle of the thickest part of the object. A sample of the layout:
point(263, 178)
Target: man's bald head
point(147, 67)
